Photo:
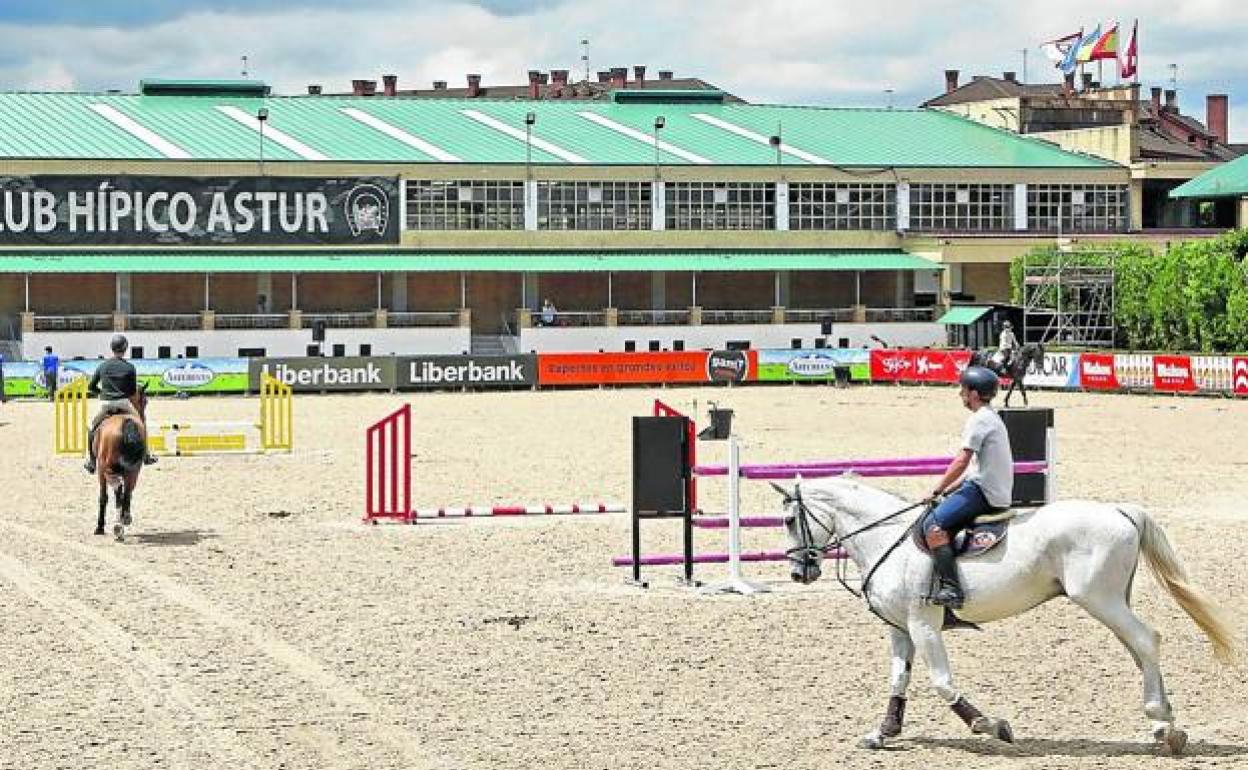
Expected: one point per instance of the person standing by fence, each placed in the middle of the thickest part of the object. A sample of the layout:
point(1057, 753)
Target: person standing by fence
point(51, 366)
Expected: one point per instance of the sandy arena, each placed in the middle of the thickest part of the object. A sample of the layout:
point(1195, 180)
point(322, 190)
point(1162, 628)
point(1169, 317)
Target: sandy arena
point(251, 621)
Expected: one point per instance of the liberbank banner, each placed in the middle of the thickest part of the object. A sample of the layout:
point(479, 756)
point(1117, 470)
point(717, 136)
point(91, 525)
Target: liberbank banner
point(197, 211)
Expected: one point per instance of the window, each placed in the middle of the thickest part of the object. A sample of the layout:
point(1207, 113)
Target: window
point(820, 206)
point(721, 206)
point(593, 206)
point(962, 207)
point(1081, 208)
point(464, 205)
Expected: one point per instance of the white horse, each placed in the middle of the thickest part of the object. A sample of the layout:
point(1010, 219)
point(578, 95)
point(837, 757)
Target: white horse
point(1087, 551)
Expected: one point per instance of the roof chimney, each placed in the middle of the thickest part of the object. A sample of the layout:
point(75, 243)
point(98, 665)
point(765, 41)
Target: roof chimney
point(314, 89)
point(1087, 80)
point(1172, 100)
point(1009, 77)
point(604, 76)
point(439, 85)
point(1217, 116)
point(1069, 83)
point(951, 81)
point(535, 81)
point(357, 87)
point(639, 74)
point(559, 78)
point(619, 77)
point(665, 74)
point(474, 86)
point(1156, 94)
point(390, 84)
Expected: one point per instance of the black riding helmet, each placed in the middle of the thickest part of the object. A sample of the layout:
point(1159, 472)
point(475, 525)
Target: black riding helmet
point(980, 379)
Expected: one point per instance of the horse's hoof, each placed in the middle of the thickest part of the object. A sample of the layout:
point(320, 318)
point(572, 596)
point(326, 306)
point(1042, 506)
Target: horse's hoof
point(871, 741)
point(119, 532)
point(1001, 731)
point(125, 518)
point(99, 530)
point(1173, 742)
point(890, 728)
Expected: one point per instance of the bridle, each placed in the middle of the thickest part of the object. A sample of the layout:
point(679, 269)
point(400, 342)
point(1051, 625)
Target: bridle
point(806, 553)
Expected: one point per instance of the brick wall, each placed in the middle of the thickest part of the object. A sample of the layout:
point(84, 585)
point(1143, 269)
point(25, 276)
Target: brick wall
point(431, 292)
point(171, 293)
point(337, 292)
point(736, 290)
point(986, 282)
point(821, 290)
point(72, 294)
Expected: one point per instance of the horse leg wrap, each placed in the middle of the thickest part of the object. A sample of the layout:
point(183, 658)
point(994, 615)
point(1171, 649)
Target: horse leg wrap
point(894, 717)
point(969, 714)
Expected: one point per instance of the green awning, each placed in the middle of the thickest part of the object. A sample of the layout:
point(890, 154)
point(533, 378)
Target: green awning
point(1223, 181)
point(962, 316)
point(438, 262)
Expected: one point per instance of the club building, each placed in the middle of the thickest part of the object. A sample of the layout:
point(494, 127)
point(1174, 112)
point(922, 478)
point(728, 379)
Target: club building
point(210, 218)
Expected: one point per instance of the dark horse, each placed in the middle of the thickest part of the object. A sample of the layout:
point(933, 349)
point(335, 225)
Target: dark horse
point(1017, 368)
point(120, 446)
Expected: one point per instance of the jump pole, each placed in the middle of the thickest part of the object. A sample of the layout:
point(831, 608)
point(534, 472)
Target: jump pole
point(388, 482)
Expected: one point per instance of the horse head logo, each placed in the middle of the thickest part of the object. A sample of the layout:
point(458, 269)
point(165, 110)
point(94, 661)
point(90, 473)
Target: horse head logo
point(367, 209)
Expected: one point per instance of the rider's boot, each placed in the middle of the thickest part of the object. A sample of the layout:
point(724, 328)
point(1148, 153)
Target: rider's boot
point(89, 465)
point(949, 590)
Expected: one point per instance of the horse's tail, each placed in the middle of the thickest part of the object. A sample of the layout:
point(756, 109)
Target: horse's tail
point(132, 448)
point(1164, 563)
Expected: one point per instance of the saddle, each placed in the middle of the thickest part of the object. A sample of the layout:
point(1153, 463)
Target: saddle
point(980, 536)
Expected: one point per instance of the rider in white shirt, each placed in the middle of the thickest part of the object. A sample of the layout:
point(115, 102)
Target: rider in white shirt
point(1007, 347)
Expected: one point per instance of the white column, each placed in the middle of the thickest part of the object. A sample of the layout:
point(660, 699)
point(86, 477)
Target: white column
point(903, 206)
point(398, 292)
point(294, 291)
point(658, 206)
point(207, 291)
point(27, 292)
point(782, 206)
point(530, 204)
point(736, 583)
point(1020, 207)
point(658, 291)
point(123, 293)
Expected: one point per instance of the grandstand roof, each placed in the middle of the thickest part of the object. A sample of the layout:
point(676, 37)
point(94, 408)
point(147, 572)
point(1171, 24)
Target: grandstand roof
point(483, 131)
point(1224, 181)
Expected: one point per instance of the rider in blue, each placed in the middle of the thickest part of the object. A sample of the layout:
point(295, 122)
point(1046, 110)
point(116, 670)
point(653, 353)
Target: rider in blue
point(989, 486)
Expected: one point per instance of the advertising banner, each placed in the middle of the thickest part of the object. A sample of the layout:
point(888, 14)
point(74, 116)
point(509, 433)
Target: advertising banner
point(312, 375)
point(197, 211)
point(812, 365)
point(1096, 371)
point(1213, 374)
point(467, 371)
point(646, 368)
point(1239, 373)
point(904, 365)
point(1054, 370)
point(162, 376)
point(1134, 371)
point(1173, 374)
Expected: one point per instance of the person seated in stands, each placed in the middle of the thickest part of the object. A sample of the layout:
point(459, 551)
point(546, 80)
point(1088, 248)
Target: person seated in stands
point(548, 312)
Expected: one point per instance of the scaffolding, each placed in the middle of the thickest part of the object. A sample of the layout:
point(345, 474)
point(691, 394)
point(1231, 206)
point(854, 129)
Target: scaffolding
point(1068, 298)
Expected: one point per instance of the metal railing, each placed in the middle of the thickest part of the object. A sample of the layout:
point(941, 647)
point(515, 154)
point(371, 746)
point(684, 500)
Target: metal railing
point(574, 318)
point(164, 322)
point(737, 316)
point(652, 317)
point(807, 315)
point(360, 320)
point(252, 320)
point(423, 318)
point(899, 314)
point(99, 322)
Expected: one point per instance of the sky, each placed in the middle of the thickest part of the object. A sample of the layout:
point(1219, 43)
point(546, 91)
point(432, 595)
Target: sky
point(825, 52)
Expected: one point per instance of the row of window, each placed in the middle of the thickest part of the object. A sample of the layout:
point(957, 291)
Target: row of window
point(499, 205)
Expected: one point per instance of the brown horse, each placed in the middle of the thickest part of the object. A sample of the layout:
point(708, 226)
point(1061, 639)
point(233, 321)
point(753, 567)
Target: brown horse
point(120, 446)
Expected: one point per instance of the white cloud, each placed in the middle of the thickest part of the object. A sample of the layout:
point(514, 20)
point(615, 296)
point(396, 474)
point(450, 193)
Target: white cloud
point(792, 51)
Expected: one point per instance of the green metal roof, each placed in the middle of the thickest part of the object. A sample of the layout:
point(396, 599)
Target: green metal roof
point(961, 316)
point(1227, 180)
point(482, 131)
point(428, 262)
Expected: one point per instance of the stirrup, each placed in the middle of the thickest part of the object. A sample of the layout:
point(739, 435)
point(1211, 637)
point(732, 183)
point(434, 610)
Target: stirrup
point(948, 596)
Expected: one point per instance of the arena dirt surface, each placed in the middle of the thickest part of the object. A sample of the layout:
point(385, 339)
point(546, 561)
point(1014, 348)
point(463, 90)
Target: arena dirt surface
point(251, 621)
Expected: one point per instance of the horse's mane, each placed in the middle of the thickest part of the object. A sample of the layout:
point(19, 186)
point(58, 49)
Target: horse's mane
point(830, 491)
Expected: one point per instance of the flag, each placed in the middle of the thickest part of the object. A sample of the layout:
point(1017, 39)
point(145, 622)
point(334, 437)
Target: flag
point(1083, 50)
point(1129, 64)
point(1057, 49)
point(1107, 46)
point(1071, 62)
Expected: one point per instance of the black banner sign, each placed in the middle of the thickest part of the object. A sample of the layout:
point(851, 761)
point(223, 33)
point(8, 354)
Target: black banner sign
point(467, 371)
point(197, 211)
point(318, 374)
